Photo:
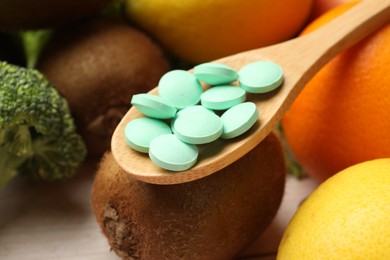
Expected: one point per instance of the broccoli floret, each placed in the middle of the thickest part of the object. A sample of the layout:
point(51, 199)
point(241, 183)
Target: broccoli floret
point(38, 137)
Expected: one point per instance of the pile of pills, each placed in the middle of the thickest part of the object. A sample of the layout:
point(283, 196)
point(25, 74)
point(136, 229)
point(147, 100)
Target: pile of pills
point(182, 116)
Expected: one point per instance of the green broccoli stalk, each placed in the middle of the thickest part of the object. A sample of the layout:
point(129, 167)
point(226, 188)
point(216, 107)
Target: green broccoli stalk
point(37, 134)
point(33, 43)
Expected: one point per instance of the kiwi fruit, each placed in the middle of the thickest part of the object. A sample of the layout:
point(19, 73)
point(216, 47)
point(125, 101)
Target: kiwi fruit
point(214, 218)
point(97, 66)
point(39, 14)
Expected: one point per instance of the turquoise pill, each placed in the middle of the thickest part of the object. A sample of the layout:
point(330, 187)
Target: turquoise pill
point(153, 106)
point(239, 119)
point(180, 88)
point(197, 125)
point(169, 153)
point(215, 73)
point(141, 131)
point(260, 77)
point(222, 97)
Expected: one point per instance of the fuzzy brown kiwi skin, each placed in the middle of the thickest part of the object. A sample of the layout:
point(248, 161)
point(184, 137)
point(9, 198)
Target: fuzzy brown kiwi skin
point(39, 14)
point(210, 218)
point(97, 66)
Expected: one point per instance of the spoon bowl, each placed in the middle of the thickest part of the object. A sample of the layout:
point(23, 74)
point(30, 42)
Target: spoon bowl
point(301, 58)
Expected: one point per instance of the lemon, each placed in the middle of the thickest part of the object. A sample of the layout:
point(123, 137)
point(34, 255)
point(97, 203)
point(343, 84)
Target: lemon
point(346, 217)
point(198, 31)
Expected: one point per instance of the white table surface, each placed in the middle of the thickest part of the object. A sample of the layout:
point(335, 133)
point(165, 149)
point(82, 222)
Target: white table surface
point(55, 221)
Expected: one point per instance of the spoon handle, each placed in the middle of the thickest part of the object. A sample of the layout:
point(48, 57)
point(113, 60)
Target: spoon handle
point(320, 46)
point(301, 58)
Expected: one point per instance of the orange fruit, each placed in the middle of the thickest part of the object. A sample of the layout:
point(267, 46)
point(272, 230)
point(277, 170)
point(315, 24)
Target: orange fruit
point(342, 115)
point(346, 217)
point(198, 31)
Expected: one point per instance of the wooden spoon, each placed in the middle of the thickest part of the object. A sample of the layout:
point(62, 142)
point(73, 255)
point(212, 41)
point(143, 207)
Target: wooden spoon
point(300, 59)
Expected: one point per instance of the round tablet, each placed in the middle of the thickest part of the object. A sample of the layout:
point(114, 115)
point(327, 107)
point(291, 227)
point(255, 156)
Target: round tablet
point(215, 73)
point(153, 106)
point(141, 131)
point(222, 97)
point(238, 119)
point(169, 153)
point(199, 126)
point(180, 88)
point(260, 77)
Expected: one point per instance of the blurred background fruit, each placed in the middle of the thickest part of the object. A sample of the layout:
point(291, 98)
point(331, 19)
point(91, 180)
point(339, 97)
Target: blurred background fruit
point(322, 6)
point(35, 14)
point(342, 115)
point(97, 65)
point(198, 31)
point(346, 217)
